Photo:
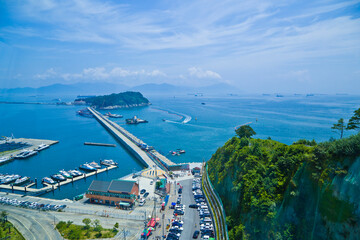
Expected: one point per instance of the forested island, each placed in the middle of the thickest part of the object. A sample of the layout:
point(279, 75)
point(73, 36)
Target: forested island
point(306, 190)
point(118, 100)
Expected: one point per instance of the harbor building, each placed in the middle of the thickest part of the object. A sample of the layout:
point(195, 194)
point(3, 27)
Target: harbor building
point(120, 193)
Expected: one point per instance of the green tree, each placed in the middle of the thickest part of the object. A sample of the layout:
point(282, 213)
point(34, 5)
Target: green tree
point(87, 222)
point(4, 215)
point(245, 131)
point(116, 225)
point(354, 122)
point(339, 126)
point(97, 226)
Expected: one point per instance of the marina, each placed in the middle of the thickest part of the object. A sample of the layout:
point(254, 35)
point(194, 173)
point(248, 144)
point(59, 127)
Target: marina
point(49, 187)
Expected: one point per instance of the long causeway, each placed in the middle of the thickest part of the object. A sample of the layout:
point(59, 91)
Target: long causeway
point(148, 158)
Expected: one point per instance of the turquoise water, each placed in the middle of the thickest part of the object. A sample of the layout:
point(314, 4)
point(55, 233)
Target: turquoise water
point(212, 124)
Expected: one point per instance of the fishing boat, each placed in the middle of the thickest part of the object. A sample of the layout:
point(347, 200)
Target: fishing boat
point(87, 167)
point(21, 181)
point(113, 115)
point(42, 147)
point(108, 162)
point(58, 177)
point(48, 180)
point(181, 151)
point(65, 173)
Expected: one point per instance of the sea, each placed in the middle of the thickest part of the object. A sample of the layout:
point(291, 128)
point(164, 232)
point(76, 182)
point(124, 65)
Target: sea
point(196, 123)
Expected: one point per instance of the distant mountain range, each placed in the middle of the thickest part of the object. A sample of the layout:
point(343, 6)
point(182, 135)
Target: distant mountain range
point(106, 88)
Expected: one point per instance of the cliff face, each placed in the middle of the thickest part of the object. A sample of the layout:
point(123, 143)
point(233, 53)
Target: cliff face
point(274, 191)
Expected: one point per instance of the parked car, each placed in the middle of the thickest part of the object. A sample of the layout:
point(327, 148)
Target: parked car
point(196, 234)
point(146, 194)
point(193, 206)
point(143, 191)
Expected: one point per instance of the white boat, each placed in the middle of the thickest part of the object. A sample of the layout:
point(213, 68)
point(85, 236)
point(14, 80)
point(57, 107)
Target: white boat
point(4, 160)
point(108, 162)
point(87, 167)
point(75, 173)
point(22, 180)
point(58, 177)
point(42, 147)
point(26, 154)
point(48, 180)
point(95, 165)
point(65, 173)
point(10, 178)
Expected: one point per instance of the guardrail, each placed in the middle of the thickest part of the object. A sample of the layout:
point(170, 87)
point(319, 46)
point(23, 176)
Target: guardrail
point(216, 207)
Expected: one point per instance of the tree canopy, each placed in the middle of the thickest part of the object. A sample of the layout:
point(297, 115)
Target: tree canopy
point(245, 131)
point(354, 121)
point(339, 126)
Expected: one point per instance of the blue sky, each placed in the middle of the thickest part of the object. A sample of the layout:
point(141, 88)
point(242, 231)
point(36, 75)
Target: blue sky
point(256, 45)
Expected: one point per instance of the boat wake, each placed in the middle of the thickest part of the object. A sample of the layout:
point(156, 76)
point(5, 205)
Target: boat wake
point(185, 118)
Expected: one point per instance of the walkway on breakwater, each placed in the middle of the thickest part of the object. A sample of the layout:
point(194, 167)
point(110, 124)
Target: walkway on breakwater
point(149, 158)
point(49, 187)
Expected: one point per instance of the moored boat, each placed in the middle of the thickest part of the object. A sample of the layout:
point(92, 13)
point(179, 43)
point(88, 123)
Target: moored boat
point(95, 165)
point(65, 173)
point(10, 178)
point(26, 154)
point(108, 162)
point(22, 180)
point(75, 173)
point(113, 115)
point(87, 167)
point(42, 147)
point(48, 180)
point(85, 113)
point(135, 120)
point(58, 177)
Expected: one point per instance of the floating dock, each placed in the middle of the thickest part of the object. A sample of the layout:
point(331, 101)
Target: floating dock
point(50, 187)
point(99, 144)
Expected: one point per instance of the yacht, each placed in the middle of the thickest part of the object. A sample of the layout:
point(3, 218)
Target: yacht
point(10, 178)
point(87, 167)
point(26, 154)
point(48, 180)
point(4, 159)
point(108, 162)
point(42, 147)
point(22, 180)
point(75, 173)
point(58, 177)
point(65, 173)
point(95, 165)
point(113, 115)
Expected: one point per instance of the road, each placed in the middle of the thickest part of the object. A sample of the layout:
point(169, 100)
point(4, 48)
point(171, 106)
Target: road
point(32, 224)
point(191, 216)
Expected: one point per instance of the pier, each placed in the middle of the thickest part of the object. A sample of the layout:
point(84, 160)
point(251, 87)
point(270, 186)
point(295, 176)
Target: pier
point(148, 157)
point(50, 187)
point(100, 144)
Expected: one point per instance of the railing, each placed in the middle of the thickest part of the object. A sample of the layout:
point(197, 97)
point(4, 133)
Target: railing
point(216, 207)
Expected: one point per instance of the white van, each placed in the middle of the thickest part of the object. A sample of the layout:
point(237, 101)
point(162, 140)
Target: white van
point(142, 202)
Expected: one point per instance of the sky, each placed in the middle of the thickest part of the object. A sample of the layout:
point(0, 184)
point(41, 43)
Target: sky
point(254, 45)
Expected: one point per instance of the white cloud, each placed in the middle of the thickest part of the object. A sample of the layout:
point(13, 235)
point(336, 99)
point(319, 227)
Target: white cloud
point(50, 73)
point(200, 73)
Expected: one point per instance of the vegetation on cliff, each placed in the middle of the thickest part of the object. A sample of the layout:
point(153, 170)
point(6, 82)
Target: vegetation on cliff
point(125, 99)
point(275, 191)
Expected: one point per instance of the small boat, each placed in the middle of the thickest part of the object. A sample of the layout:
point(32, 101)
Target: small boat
point(42, 147)
point(48, 180)
point(4, 160)
point(108, 162)
point(65, 173)
point(75, 173)
point(10, 178)
point(26, 154)
point(58, 177)
point(95, 165)
point(22, 180)
point(174, 153)
point(202, 103)
point(181, 151)
point(87, 167)
point(113, 115)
